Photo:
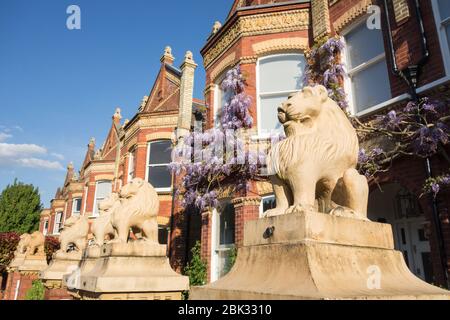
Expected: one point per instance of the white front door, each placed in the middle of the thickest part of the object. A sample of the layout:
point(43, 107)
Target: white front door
point(411, 241)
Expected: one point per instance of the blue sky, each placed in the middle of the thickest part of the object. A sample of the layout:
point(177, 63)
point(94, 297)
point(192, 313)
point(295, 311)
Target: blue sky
point(60, 87)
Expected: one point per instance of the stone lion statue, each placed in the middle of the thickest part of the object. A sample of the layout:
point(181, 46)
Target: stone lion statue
point(102, 227)
point(31, 244)
point(314, 167)
point(138, 211)
point(74, 232)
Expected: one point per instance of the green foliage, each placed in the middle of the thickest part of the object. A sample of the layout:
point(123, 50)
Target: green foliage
point(232, 256)
point(20, 208)
point(8, 244)
point(36, 292)
point(196, 268)
point(51, 246)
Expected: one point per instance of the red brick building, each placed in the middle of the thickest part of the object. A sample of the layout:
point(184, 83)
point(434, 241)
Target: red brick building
point(137, 148)
point(268, 40)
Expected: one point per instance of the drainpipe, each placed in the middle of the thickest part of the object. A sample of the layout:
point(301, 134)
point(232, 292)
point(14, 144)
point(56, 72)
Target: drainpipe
point(411, 75)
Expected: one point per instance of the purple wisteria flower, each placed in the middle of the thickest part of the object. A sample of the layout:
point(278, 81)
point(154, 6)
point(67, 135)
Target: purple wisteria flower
point(218, 158)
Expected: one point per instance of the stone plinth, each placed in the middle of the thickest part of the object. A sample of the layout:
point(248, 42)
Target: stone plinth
point(52, 277)
point(137, 270)
point(72, 281)
point(23, 270)
point(318, 256)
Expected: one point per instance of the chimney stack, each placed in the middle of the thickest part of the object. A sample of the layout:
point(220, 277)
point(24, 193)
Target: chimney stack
point(186, 95)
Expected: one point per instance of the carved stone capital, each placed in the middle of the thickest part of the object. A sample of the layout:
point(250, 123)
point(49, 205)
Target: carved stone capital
point(246, 201)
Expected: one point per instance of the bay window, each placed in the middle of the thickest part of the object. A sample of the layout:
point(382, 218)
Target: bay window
point(366, 67)
point(159, 157)
point(102, 191)
point(278, 77)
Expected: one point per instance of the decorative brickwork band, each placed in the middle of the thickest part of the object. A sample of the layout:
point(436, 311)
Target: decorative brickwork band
point(359, 9)
point(246, 201)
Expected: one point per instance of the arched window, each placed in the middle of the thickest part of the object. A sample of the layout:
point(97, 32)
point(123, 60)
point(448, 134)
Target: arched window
point(278, 76)
point(158, 159)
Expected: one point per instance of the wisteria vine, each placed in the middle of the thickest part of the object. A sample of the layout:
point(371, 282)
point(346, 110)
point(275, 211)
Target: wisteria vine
point(206, 175)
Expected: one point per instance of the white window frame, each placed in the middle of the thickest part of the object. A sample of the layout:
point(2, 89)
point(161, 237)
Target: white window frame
point(260, 135)
point(347, 80)
point(217, 98)
point(261, 209)
point(131, 162)
point(76, 213)
point(60, 223)
point(444, 43)
point(147, 166)
point(216, 247)
point(45, 227)
point(94, 208)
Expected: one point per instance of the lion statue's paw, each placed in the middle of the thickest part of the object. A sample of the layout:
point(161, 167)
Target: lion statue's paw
point(273, 213)
point(345, 212)
point(299, 208)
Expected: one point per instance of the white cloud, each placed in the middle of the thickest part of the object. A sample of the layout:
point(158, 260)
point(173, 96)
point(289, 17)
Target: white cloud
point(4, 136)
point(57, 156)
point(24, 155)
point(10, 150)
point(40, 163)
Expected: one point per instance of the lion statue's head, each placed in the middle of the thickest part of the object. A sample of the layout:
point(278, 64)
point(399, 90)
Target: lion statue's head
point(106, 205)
point(23, 242)
point(70, 222)
point(300, 111)
point(140, 196)
point(315, 126)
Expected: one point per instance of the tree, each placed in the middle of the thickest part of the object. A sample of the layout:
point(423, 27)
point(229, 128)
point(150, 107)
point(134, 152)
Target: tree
point(20, 208)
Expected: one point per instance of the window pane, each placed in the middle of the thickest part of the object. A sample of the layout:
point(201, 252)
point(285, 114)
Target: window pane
point(160, 177)
point(223, 98)
point(160, 152)
point(227, 225)
point(76, 205)
point(363, 44)
point(104, 189)
point(281, 73)
point(269, 113)
point(269, 203)
point(444, 8)
point(371, 86)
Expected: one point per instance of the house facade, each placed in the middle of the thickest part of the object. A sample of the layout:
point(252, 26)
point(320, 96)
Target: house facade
point(137, 148)
point(268, 39)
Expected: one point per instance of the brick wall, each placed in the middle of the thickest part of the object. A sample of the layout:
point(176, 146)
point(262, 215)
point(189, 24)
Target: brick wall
point(24, 283)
